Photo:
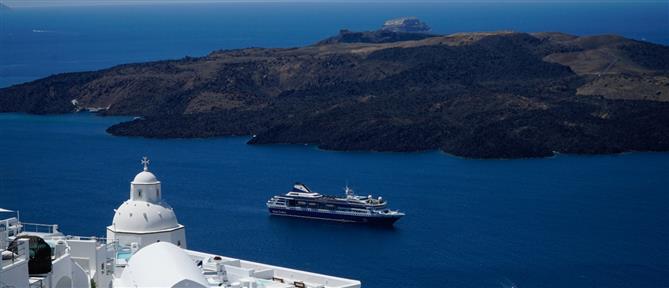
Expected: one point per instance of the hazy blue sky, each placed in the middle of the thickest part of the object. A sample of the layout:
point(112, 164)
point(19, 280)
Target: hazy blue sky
point(33, 3)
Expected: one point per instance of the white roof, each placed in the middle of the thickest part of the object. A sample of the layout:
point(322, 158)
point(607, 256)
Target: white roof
point(162, 264)
point(143, 217)
point(145, 177)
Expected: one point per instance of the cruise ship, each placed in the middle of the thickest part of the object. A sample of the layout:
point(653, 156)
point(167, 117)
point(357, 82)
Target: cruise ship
point(305, 203)
point(145, 246)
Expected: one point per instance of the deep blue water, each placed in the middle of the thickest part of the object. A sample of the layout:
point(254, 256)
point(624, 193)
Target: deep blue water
point(37, 42)
point(567, 221)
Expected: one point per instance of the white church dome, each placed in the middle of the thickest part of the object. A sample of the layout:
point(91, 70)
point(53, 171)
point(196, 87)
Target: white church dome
point(162, 264)
point(141, 216)
point(145, 177)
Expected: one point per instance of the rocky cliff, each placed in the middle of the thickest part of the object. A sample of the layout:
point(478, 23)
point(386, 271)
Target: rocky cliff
point(484, 95)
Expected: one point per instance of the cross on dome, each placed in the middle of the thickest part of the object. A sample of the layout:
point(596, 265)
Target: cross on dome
point(145, 162)
point(145, 177)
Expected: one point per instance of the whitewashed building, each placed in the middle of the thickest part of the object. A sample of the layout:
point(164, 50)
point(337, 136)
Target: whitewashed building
point(145, 247)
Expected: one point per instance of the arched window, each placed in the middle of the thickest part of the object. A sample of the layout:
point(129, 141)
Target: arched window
point(139, 192)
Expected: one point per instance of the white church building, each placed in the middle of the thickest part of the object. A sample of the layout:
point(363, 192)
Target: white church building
point(145, 218)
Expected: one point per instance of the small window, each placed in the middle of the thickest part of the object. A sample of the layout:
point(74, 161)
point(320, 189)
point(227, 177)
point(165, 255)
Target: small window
point(139, 192)
point(178, 242)
point(158, 193)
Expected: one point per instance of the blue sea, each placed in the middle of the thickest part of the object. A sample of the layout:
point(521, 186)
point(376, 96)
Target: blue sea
point(565, 221)
point(37, 42)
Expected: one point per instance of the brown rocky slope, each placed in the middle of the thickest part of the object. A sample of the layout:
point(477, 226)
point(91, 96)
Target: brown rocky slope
point(483, 95)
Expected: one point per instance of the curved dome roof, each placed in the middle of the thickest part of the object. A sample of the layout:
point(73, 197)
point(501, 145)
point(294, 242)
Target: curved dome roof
point(141, 216)
point(145, 177)
point(162, 264)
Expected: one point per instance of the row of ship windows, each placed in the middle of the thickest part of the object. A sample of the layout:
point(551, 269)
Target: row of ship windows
point(314, 205)
point(311, 205)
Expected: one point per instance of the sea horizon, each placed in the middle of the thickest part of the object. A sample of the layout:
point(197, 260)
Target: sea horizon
point(42, 41)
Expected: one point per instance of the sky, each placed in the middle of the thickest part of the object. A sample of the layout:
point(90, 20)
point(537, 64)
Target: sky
point(47, 3)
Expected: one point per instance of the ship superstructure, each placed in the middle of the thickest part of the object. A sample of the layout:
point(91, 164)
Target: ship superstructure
point(145, 247)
